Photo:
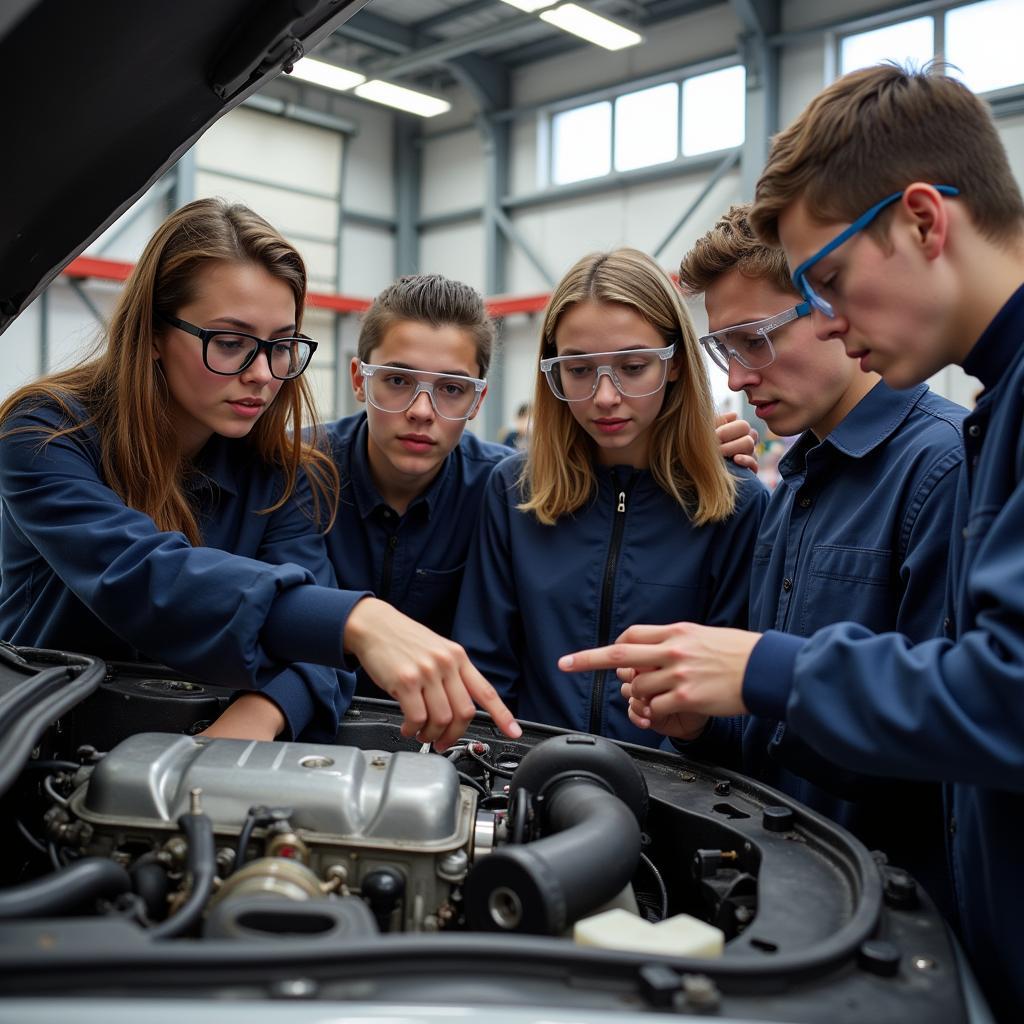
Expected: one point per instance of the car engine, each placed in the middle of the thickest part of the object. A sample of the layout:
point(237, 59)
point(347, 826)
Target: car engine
point(396, 827)
point(555, 870)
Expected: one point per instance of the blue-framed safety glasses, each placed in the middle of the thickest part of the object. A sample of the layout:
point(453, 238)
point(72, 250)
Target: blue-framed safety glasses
point(800, 274)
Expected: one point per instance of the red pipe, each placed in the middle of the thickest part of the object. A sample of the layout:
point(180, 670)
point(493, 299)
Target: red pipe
point(116, 270)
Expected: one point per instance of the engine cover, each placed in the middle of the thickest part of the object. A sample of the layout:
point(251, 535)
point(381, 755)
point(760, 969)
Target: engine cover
point(359, 810)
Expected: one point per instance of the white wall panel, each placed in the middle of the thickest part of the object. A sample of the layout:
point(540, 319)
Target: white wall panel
point(453, 173)
point(456, 251)
point(801, 78)
point(367, 260)
point(798, 14)
point(273, 149)
point(20, 362)
point(370, 185)
point(652, 210)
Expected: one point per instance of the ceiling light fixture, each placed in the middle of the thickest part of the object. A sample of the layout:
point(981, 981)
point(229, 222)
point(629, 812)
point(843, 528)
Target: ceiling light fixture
point(330, 76)
point(402, 98)
point(531, 5)
point(592, 27)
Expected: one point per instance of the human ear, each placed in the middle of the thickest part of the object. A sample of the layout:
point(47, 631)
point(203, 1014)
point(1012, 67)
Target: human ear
point(358, 385)
point(926, 209)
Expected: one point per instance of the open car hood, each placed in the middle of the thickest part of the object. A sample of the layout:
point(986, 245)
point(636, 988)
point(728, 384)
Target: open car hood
point(103, 97)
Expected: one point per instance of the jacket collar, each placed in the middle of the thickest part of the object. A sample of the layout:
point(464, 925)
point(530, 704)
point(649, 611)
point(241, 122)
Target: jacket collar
point(869, 424)
point(364, 490)
point(217, 462)
point(1000, 342)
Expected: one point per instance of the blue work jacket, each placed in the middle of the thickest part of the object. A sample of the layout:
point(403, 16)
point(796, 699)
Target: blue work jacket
point(858, 530)
point(413, 561)
point(84, 572)
point(950, 708)
point(631, 555)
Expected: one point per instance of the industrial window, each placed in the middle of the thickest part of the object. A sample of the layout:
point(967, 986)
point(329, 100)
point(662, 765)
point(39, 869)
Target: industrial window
point(655, 125)
point(647, 127)
point(581, 143)
point(980, 43)
point(907, 42)
point(714, 111)
point(983, 44)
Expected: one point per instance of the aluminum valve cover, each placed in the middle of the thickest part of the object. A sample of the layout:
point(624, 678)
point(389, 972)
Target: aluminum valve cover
point(401, 798)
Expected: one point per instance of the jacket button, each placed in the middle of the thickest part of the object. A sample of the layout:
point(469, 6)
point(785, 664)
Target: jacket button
point(974, 430)
point(952, 826)
point(805, 502)
point(946, 623)
point(787, 584)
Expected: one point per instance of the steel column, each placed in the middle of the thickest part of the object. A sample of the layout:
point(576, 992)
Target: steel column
point(407, 164)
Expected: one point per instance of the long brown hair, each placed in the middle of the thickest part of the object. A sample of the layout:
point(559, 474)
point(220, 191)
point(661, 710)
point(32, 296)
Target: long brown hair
point(558, 477)
point(125, 394)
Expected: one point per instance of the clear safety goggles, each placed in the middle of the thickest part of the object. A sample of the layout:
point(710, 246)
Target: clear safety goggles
point(394, 389)
point(635, 372)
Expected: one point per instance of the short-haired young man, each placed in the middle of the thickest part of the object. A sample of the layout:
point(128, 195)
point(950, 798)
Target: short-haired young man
point(412, 482)
point(857, 528)
point(894, 201)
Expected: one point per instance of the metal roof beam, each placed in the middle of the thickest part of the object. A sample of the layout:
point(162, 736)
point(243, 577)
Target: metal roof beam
point(758, 17)
point(380, 33)
point(435, 21)
point(439, 53)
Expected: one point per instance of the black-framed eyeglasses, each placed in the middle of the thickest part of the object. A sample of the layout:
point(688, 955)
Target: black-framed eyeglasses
point(232, 352)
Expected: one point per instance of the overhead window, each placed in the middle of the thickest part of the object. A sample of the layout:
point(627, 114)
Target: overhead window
point(647, 127)
point(714, 111)
point(581, 143)
point(906, 43)
point(983, 44)
point(656, 125)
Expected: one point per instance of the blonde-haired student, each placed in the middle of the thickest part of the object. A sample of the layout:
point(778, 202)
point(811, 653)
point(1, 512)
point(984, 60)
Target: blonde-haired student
point(622, 510)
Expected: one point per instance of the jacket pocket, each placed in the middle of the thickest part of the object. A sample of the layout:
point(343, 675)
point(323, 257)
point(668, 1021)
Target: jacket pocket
point(432, 597)
point(848, 584)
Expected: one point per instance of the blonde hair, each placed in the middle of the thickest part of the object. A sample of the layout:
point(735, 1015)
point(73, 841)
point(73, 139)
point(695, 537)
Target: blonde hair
point(124, 392)
point(875, 131)
point(558, 476)
point(732, 245)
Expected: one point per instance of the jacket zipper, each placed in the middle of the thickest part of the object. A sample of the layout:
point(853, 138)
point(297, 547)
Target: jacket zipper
point(605, 616)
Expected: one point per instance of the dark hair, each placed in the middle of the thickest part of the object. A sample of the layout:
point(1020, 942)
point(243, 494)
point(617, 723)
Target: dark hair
point(429, 299)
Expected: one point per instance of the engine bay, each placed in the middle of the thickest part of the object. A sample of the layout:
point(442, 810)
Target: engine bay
point(381, 857)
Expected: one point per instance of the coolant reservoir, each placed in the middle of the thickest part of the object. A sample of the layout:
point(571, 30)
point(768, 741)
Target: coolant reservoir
point(681, 935)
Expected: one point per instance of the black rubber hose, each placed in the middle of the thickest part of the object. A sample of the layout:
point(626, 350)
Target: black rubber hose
point(65, 891)
point(544, 886)
point(202, 867)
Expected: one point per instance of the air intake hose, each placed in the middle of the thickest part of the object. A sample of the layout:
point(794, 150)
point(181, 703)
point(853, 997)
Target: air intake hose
point(67, 891)
point(589, 798)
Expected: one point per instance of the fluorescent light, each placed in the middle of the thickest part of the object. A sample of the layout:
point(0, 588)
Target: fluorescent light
point(330, 76)
point(530, 5)
point(592, 27)
point(404, 99)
